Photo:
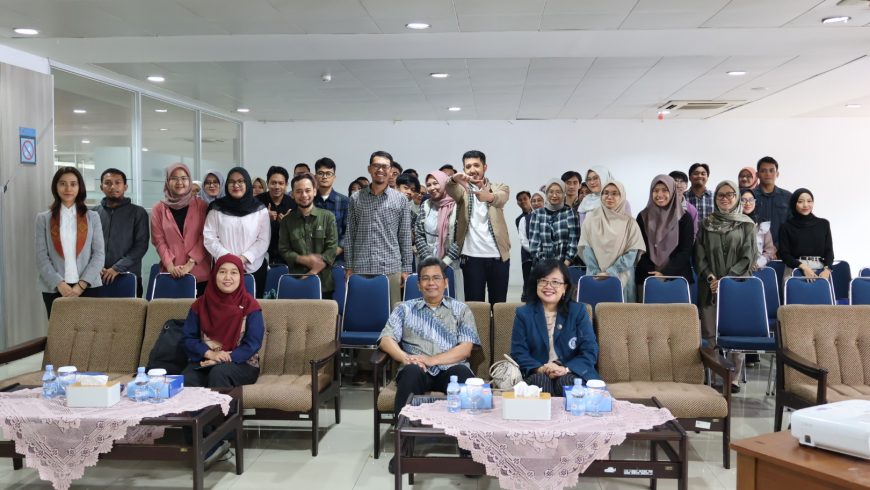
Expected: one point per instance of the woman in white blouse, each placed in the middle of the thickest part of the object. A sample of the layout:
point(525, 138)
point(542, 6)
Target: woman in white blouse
point(69, 241)
point(238, 224)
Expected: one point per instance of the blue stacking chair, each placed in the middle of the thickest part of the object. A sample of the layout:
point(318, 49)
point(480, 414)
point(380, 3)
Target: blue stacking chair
point(366, 310)
point(742, 320)
point(152, 276)
point(575, 272)
point(273, 276)
point(251, 284)
point(666, 290)
point(166, 286)
point(451, 282)
point(340, 287)
point(859, 291)
point(771, 292)
point(865, 272)
point(412, 288)
point(841, 279)
point(593, 290)
point(778, 266)
point(124, 286)
point(805, 291)
point(292, 286)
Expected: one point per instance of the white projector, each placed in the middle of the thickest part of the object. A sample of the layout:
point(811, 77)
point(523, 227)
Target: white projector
point(843, 427)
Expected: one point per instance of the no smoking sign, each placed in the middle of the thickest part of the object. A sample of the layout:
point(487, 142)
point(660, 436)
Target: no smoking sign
point(27, 145)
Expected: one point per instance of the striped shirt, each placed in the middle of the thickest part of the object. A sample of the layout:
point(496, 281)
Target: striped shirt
point(422, 330)
point(378, 238)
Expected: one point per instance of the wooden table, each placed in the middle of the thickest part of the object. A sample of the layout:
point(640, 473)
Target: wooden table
point(777, 461)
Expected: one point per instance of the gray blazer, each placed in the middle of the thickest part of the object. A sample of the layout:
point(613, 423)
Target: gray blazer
point(51, 266)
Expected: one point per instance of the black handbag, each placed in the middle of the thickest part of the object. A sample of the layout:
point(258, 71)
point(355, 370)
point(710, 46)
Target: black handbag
point(168, 353)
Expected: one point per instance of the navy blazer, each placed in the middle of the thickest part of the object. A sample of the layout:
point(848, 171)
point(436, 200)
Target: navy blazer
point(573, 338)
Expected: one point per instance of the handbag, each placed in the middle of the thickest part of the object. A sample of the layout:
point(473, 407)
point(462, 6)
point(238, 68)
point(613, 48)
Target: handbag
point(505, 373)
point(168, 352)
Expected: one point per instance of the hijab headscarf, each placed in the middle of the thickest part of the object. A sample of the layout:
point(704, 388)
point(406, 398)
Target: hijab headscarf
point(445, 206)
point(611, 232)
point(242, 206)
point(221, 182)
point(754, 214)
point(170, 199)
point(663, 224)
point(798, 220)
point(724, 220)
point(554, 207)
point(751, 170)
point(221, 314)
point(593, 201)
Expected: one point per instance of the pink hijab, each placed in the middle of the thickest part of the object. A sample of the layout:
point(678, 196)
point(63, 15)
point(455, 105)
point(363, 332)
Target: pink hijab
point(445, 206)
point(169, 198)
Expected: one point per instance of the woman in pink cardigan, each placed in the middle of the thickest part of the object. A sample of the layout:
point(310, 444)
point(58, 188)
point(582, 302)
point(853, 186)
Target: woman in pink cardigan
point(176, 228)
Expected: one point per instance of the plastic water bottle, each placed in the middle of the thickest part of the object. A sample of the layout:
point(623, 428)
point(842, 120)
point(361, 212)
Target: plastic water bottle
point(577, 403)
point(595, 396)
point(453, 402)
point(139, 386)
point(156, 383)
point(66, 375)
point(49, 382)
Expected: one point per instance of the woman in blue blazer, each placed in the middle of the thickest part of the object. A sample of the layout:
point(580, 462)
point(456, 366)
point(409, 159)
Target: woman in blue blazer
point(553, 341)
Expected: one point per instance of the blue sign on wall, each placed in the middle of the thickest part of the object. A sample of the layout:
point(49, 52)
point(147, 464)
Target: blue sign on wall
point(27, 145)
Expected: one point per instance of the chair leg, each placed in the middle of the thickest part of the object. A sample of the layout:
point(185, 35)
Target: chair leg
point(777, 415)
point(726, 442)
point(315, 429)
point(770, 387)
point(338, 406)
point(377, 438)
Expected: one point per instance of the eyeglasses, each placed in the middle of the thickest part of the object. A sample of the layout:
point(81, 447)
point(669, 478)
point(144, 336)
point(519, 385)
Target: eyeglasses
point(325, 174)
point(726, 195)
point(380, 166)
point(211, 182)
point(179, 179)
point(747, 200)
point(431, 278)
point(610, 194)
point(552, 284)
point(236, 183)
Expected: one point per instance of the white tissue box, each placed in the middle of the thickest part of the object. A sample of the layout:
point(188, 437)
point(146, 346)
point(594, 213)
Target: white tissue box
point(513, 408)
point(81, 396)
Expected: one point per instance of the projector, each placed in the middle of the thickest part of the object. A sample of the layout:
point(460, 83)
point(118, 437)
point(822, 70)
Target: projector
point(843, 427)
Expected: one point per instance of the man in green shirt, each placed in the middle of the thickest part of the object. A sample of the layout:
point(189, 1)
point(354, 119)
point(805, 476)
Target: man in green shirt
point(307, 238)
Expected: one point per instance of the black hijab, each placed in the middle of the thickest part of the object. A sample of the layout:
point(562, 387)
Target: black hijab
point(754, 214)
point(798, 220)
point(243, 206)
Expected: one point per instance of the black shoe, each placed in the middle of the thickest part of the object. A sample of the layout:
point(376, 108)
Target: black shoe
point(735, 388)
point(221, 452)
point(392, 465)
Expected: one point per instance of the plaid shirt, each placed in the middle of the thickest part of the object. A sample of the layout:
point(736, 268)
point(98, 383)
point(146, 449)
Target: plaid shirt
point(553, 235)
point(421, 330)
point(337, 204)
point(703, 204)
point(378, 238)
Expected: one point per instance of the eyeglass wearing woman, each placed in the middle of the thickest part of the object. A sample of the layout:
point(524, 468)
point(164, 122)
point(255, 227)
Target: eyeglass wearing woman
point(212, 186)
point(553, 229)
point(552, 340)
point(766, 248)
point(805, 236)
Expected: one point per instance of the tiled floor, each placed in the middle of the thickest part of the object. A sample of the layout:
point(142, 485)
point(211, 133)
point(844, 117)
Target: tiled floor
point(279, 457)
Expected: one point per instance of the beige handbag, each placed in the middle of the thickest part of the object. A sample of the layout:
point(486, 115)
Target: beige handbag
point(505, 373)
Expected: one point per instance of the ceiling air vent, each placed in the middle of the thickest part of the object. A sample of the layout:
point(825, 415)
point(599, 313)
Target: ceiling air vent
point(699, 108)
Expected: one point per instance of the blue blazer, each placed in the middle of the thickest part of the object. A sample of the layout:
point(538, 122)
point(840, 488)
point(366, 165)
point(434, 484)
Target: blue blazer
point(574, 340)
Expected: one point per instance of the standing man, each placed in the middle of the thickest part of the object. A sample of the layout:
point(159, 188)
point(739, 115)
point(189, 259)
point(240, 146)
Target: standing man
point(279, 204)
point(771, 202)
point(331, 201)
point(395, 171)
point(698, 195)
point(448, 169)
point(301, 168)
point(125, 229)
point(572, 182)
point(481, 230)
point(524, 201)
point(681, 183)
point(378, 237)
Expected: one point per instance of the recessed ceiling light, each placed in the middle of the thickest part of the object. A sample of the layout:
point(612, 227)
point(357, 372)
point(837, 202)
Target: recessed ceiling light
point(79, 111)
point(144, 149)
point(164, 129)
point(25, 31)
point(161, 110)
point(156, 78)
point(837, 19)
point(737, 73)
point(417, 25)
point(439, 75)
point(853, 106)
point(243, 110)
point(85, 142)
point(454, 109)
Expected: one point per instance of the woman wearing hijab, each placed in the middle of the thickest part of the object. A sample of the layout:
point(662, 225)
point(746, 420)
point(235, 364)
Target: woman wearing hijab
point(805, 240)
point(610, 240)
point(764, 240)
point(212, 186)
point(553, 229)
point(747, 178)
point(596, 178)
point(176, 228)
point(238, 224)
point(667, 232)
point(435, 233)
point(725, 247)
point(223, 332)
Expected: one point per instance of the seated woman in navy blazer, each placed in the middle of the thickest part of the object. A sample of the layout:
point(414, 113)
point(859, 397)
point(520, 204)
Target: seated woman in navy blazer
point(553, 341)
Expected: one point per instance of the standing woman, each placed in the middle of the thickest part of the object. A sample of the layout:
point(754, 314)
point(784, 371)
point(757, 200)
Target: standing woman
point(176, 228)
point(553, 229)
point(259, 186)
point(805, 240)
point(238, 224)
point(69, 241)
point(435, 233)
point(725, 247)
point(747, 178)
point(610, 240)
point(667, 232)
point(212, 186)
point(596, 178)
point(764, 240)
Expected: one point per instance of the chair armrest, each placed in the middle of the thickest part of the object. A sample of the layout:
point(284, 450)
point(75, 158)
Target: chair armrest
point(316, 364)
point(379, 358)
point(718, 364)
point(23, 350)
point(811, 369)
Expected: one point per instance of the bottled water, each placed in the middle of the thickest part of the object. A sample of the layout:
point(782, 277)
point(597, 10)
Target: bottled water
point(139, 387)
point(49, 382)
point(453, 402)
point(66, 375)
point(156, 382)
point(577, 403)
point(596, 390)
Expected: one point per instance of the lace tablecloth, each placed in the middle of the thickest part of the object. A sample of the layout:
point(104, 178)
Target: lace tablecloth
point(538, 454)
point(60, 442)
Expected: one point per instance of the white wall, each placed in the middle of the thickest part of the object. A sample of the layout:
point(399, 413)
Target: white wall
point(828, 156)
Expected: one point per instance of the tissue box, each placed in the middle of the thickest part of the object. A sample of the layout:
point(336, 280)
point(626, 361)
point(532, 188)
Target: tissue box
point(485, 402)
point(605, 406)
point(80, 396)
point(513, 408)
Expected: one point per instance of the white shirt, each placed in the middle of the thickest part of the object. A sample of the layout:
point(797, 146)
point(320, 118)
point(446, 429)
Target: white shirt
point(430, 226)
point(68, 237)
point(524, 238)
point(479, 242)
point(246, 236)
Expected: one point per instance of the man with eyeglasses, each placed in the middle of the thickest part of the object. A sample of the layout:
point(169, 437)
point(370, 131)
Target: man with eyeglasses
point(698, 195)
point(327, 198)
point(279, 204)
point(125, 229)
point(431, 337)
point(771, 202)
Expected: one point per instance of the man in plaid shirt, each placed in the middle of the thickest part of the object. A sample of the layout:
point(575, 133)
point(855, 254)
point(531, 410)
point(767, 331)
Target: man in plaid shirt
point(698, 195)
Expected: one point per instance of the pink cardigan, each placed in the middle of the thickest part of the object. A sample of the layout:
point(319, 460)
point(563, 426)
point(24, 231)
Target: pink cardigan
point(174, 249)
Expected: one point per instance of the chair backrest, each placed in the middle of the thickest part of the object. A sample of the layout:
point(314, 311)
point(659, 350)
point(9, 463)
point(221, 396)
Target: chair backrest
point(297, 331)
point(841, 277)
point(367, 304)
point(412, 288)
point(503, 315)
point(481, 358)
point(96, 334)
point(593, 290)
point(251, 284)
point(273, 277)
point(771, 289)
point(299, 287)
point(340, 287)
point(152, 276)
point(741, 308)
point(834, 337)
point(859, 291)
point(805, 291)
point(865, 272)
point(575, 272)
point(124, 286)
point(166, 286)
point(666, 289)
point(159, 312)
point(649, 342)
point(451, 282)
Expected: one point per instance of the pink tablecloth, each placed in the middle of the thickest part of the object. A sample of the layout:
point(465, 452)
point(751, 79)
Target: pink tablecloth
point(60, 442)
point(538, 454)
